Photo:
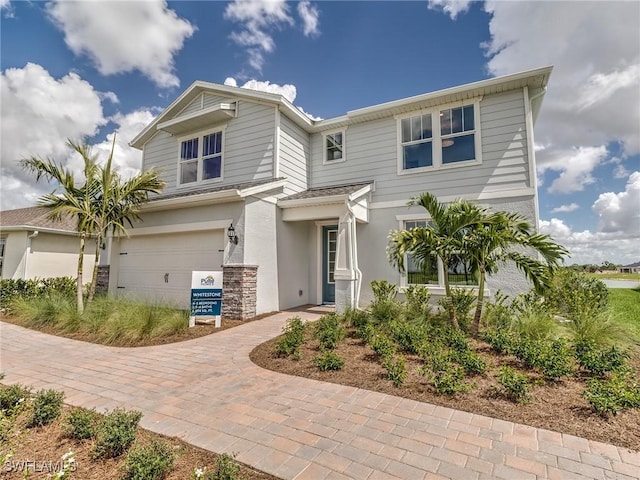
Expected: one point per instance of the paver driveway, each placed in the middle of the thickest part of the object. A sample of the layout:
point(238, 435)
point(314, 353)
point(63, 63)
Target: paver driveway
point(207, 392)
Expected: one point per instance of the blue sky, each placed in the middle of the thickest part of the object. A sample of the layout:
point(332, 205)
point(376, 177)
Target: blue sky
point(83, 70)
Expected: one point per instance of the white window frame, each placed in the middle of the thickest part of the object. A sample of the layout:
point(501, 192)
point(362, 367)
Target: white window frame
point(436, 140)
point(438, 288)
point(325, 160)
point(200, 136)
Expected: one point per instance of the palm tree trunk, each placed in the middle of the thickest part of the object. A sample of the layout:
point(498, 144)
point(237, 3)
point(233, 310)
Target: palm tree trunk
point(94, 275)
point(79, 280)
point(449, 299)
point(475, 328)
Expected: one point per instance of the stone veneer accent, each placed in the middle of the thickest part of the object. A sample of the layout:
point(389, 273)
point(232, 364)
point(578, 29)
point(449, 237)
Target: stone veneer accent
point(239, 284)
point(102, 285)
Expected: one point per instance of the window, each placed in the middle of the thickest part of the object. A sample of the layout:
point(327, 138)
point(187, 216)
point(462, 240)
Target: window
point(201, 158)
point(334, 144)
point(438, 138)
point(432, 272)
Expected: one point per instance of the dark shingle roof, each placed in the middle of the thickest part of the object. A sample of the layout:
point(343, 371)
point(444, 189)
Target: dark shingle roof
point(320, 192)
point(35, 217)
point(632, 265)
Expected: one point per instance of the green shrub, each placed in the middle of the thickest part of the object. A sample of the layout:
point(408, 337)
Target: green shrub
point(12, 290)
point(383, 345)
point(47, 406)
point(515, 385)
point(116, 433)
point(328, 331)
point(409, 336)
point(577, 296)
point(556, 361)
point(366, 331)
point(150, 462)
point(534, 323)
point(417, 302)
point(599, 330)
point(529, 351)
point(453, 338)
point(81, 424)
point(600, 361)
point(450, 381)
point(498, 314)
point(12, 398)
point(328, 360)
point(396, 369)
point(384, 311)
point(463, 300)
point(439, 359)
point(608, 397)
point(470, 362)
point(383, 290)
point(501, 341)
point(356, 318)
point(226, 468)
point(292, 338)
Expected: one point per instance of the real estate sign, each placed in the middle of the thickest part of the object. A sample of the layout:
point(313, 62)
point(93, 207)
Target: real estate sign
point(206, 295)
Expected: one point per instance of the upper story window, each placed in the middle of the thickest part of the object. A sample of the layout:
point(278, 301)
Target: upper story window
point(334, 147)
point(201, 158)
point(439, 138)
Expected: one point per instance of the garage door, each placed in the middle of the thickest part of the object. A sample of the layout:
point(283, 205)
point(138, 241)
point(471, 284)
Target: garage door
point(158, 267)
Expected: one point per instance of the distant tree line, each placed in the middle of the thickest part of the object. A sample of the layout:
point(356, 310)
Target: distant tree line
point(592, 268)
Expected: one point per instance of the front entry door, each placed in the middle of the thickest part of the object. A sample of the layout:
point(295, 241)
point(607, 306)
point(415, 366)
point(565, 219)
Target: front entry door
point(329, 244)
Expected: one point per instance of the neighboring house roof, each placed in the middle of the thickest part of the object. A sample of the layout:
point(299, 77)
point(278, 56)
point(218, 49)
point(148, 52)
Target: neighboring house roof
point(632, 265)
point(35, 218)
point(536, 80)
point(320, 192)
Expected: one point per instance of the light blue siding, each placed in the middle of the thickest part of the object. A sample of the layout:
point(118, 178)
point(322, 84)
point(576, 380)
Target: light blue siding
point(294, 155)
point(248, 147)
point(372, 150)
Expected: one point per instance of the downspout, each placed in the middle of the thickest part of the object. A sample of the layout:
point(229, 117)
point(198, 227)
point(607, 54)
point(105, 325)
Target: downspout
point(28, 253)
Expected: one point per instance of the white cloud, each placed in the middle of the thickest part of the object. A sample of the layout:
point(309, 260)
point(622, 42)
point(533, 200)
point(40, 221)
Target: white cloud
point(620, 172)
point(618, 235)
point(310, 18)
point(57, 109)
point(311, 117)
point(259, 17)
point(450, 7)
point(593, 92)
point(572, 207)
point(8, 9)
point(575, 166)
point(39, 113)
point(287, 90)
point(620, 212)
point(124, 36)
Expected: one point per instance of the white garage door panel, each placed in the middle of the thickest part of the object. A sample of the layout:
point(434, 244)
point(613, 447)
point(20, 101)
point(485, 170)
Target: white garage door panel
point(145, 261)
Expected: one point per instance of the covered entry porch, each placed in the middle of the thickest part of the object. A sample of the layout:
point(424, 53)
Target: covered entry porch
point(332, 214)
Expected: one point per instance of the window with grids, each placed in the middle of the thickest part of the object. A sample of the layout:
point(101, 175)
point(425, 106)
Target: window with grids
point(432, 272)
point(201, 158)
point(438, 138)
point(334, 146)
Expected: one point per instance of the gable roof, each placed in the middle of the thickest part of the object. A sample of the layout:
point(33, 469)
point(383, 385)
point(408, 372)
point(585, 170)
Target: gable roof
point(536, 80)
point(35, 218)
point(632, 265)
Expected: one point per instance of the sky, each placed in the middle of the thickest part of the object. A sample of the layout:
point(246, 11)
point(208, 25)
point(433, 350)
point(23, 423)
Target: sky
point(86, 70)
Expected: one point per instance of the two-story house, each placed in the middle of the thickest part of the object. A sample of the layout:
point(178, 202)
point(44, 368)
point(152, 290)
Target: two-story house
point(296, 211)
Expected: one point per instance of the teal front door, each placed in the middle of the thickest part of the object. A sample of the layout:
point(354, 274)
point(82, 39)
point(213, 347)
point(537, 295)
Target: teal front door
point(329, 244)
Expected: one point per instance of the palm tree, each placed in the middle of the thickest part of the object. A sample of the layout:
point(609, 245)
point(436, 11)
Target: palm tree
point(508, 237)
point(118, 202)
point(69, 199)
point(442, 237)
point(105, 202)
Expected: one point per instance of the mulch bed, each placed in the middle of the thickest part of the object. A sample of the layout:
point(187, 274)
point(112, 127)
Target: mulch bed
point(44, 446)
point(555, 406)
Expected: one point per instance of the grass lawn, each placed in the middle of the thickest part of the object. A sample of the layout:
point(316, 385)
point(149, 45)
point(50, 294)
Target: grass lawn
point(625, 304)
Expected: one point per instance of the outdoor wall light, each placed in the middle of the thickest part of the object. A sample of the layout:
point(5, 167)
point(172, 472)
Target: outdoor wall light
point(231, 234)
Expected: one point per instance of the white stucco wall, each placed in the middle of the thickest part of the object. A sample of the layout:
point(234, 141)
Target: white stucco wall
point(50, 255)
point(294, 264)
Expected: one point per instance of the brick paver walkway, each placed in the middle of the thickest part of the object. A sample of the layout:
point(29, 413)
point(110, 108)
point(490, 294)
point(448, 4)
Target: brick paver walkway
point(207, 392)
